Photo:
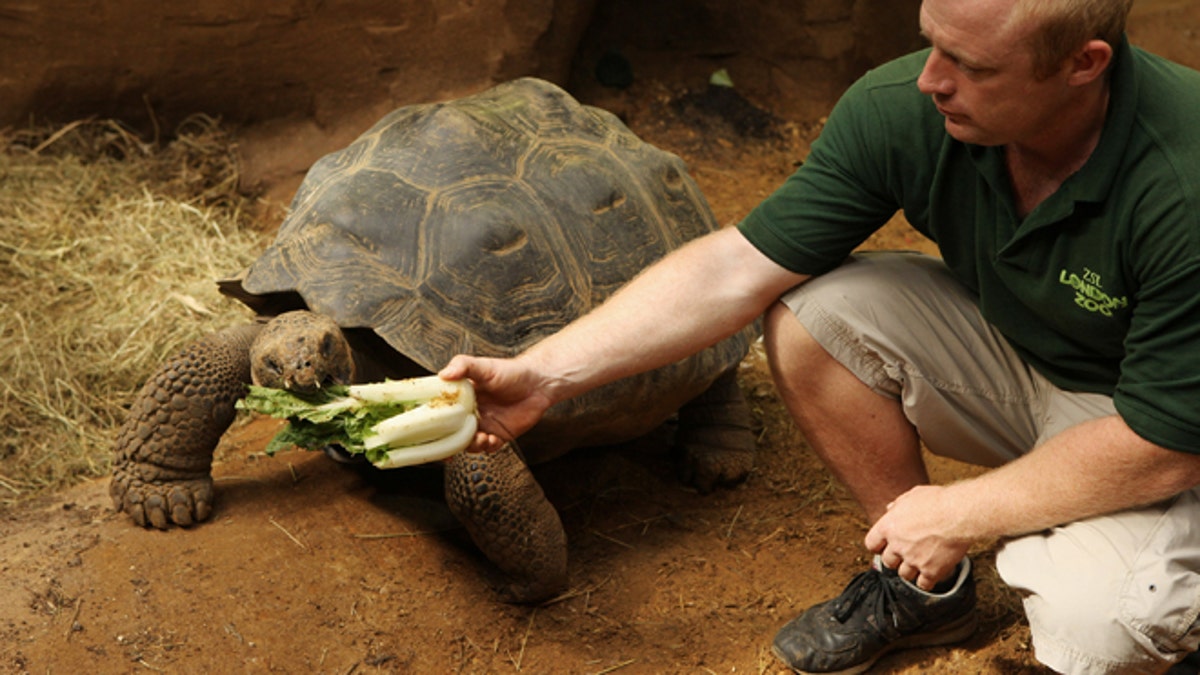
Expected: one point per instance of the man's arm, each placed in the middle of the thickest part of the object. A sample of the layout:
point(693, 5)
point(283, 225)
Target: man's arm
point(697, 296)
point(694, 297)
point(1094, 468)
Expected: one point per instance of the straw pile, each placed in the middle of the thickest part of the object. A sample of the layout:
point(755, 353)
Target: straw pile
point(109, 248)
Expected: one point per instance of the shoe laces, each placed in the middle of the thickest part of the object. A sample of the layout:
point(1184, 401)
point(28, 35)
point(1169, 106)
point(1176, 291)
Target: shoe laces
point(867, 587)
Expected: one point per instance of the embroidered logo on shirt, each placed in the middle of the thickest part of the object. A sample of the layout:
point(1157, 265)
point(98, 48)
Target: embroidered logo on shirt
point(1089, 292)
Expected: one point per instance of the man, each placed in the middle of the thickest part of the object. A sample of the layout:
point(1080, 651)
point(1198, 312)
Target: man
point(1056, 340)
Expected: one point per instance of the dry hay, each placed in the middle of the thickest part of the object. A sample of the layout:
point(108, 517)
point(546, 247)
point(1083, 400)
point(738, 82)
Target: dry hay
point(109, 248)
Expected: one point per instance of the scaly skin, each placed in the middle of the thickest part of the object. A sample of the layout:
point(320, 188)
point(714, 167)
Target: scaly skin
point(715, 445)
point(497, 499)
point(162, 466)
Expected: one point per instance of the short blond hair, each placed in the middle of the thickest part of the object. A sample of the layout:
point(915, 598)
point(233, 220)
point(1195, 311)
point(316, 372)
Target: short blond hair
point(1063, 26)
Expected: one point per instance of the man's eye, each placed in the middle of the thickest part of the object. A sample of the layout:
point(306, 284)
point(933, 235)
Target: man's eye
point(974, 72)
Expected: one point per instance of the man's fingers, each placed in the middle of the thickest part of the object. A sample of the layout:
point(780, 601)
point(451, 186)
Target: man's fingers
point(875, 541)
point(455, 370)
point(485, 442)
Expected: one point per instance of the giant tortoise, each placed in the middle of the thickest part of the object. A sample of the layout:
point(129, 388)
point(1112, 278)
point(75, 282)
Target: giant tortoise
point(473, 226)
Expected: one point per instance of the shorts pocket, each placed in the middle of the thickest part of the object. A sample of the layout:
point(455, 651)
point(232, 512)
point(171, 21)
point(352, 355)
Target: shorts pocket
point(1161, 596)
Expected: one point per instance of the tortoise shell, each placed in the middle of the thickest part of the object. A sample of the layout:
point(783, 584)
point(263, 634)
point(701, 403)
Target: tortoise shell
point(483, 224)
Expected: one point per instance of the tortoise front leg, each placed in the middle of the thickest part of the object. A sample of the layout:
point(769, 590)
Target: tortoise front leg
point(162, 463)
point(506, 513)
point(715, 445)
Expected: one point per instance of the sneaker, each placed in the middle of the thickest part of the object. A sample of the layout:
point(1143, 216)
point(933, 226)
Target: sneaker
point(878, 612)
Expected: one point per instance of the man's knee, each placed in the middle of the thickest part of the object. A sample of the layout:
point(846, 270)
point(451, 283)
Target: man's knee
point(1080, 637)
point(797, 361)
point(1079, 608)
point(784, 335)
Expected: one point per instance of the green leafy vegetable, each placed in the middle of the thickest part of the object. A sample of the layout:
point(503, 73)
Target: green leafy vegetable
point(393, 423)
point(329, 417)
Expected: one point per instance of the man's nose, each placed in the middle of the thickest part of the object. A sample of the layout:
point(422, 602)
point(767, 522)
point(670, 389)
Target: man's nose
point(935, 76)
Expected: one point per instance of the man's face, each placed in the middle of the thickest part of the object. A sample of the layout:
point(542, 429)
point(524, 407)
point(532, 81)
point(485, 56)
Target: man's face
point(980, 73)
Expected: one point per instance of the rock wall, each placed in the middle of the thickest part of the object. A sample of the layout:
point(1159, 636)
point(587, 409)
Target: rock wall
point(300, 78)
point(793, 57)
point(148, 61)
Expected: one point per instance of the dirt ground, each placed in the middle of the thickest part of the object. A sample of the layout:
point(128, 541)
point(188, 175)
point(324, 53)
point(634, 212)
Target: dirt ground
point(311, 566)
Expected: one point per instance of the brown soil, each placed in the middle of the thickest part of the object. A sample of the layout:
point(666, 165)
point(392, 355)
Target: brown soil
point(311, 566)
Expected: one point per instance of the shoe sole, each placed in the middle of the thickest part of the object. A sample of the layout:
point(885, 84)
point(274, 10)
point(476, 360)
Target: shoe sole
point(959, 630)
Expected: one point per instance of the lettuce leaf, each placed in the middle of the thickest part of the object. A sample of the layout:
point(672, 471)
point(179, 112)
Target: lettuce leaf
point(328, 417)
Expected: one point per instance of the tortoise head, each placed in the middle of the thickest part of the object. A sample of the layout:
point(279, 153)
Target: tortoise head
point(302, 352)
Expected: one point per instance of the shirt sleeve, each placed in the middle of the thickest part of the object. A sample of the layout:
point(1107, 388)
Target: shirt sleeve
point(1158, 392)
point(836, 199)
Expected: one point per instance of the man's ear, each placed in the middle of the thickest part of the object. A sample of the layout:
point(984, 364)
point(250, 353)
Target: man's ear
point(1090, 62)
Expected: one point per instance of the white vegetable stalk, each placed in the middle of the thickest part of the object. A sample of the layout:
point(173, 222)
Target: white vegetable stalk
point(442, 426)
point(413, 389)
point(432, 451)
point(424, 423)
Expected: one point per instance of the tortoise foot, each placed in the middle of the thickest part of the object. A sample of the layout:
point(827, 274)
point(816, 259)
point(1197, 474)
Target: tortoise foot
point(162, 503)
point(162, 460)
point(708, 465)
point(715, 445)
point(532, 591)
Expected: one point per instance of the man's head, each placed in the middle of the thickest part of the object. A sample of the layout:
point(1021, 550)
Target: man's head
point(1005, 71)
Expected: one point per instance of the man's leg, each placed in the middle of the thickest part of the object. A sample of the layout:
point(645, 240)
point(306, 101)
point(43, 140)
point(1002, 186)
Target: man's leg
point(888, 351)
point(1120, 593)
point(871, 359)
point(1113, 594)
point(863, 437)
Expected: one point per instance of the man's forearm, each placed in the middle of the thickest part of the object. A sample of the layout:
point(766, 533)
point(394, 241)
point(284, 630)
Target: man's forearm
point(693, 298)
point(1095, 468)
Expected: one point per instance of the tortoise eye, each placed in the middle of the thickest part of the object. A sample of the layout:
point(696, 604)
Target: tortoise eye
point(328, 345)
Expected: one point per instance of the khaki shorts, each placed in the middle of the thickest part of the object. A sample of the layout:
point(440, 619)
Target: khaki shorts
point(1119, 593)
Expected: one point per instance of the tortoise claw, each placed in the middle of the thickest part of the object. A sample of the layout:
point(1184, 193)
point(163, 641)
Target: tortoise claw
point(161, 505)
point(707, 467)
point(532, 591)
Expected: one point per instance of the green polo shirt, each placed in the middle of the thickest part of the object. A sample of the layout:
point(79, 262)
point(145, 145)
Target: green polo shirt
point(1098, 288)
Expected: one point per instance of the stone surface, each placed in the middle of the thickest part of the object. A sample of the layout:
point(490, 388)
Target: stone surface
point(301, 77)
point(252, 62)
point(304, 77)
point(789, 56)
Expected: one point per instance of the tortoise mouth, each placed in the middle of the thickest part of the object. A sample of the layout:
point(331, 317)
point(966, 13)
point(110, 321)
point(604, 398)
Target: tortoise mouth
point(308, 383)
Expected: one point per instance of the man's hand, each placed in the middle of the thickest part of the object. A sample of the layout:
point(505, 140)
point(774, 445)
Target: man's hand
point(918, 536)
point(509, 396)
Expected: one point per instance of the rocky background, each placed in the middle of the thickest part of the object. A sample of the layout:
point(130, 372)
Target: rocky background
point(303, 77)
